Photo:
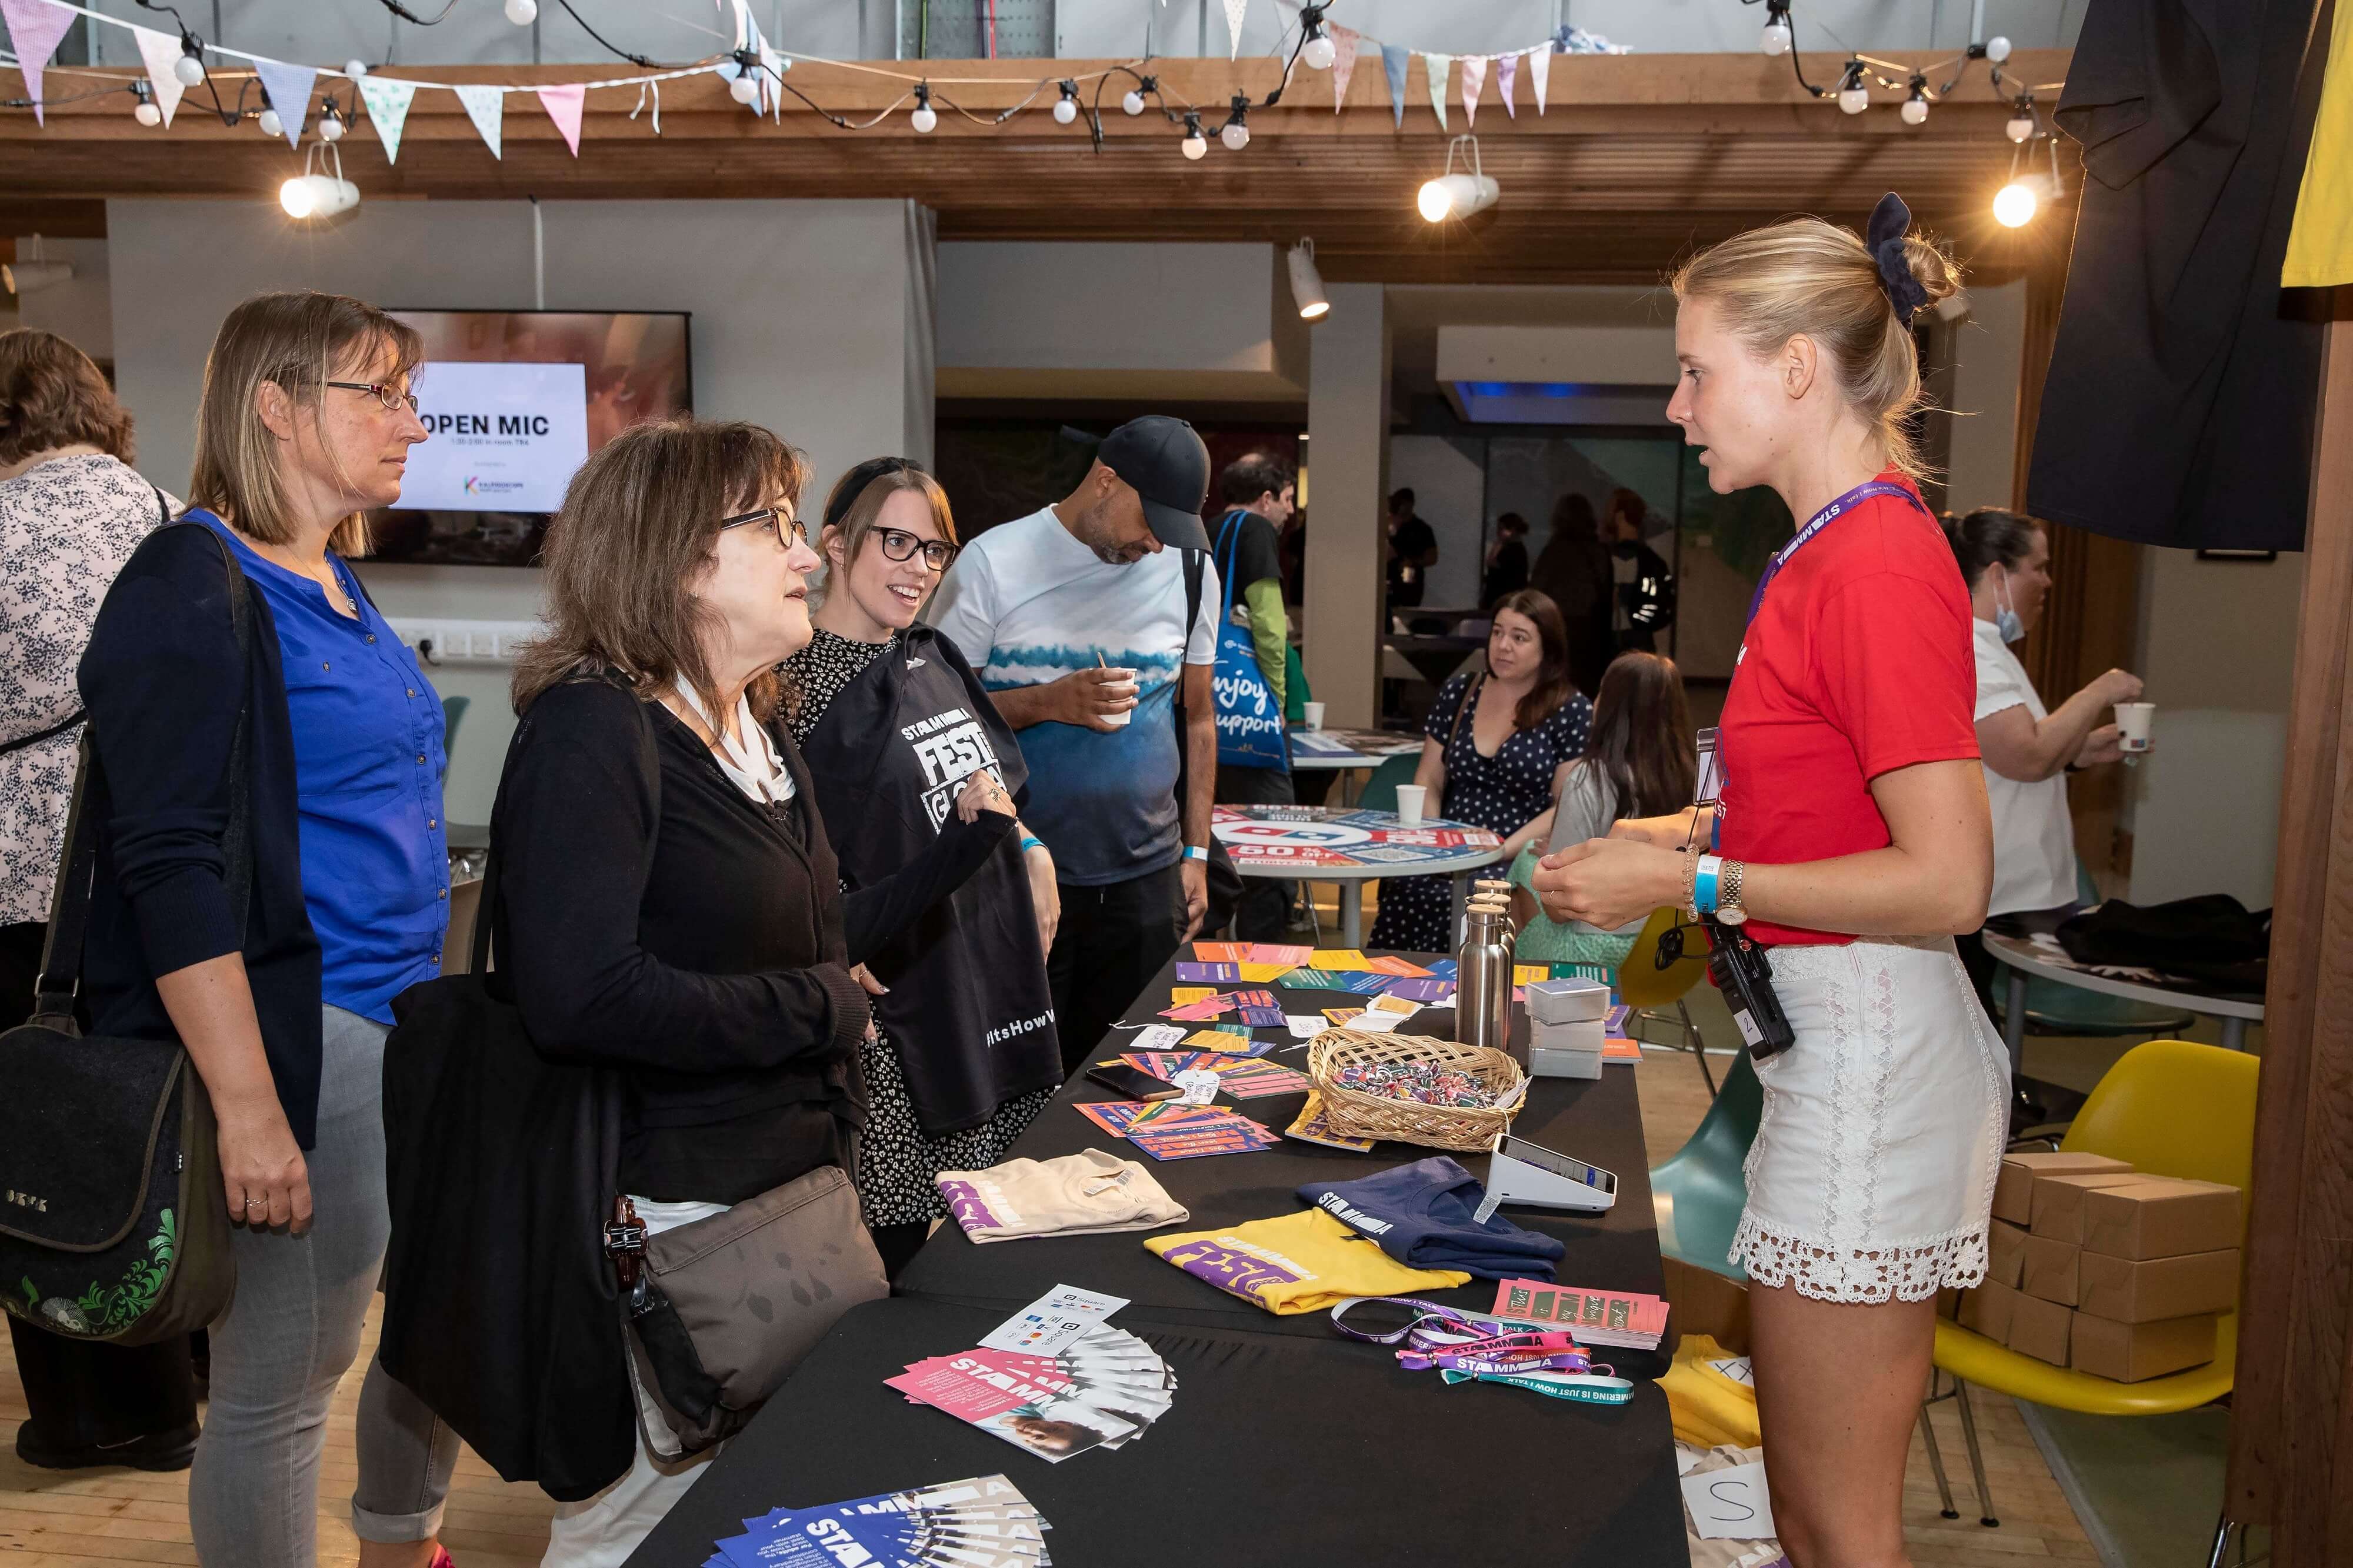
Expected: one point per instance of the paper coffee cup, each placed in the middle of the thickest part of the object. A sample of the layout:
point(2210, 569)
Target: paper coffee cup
point(1125, 686)
point(1411, 798)
point(2132, 721)
point(1313, 712)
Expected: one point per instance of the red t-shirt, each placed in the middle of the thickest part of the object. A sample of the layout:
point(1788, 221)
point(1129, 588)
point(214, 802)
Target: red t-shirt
point(1859, 661)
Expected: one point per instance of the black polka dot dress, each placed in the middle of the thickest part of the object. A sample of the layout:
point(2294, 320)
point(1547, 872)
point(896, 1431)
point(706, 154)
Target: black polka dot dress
point(1503, 793)
point(896, 1161)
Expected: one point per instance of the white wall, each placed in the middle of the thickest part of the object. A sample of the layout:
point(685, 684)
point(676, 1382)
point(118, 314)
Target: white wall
point(804, 313)
point(76, 309)
point(1348, 421)
point(1989, 348)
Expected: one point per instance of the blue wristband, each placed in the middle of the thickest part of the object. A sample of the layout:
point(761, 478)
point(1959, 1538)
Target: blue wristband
point(1703, 884)
point(1715, 828)
point(1196, 852)
point(1030, 841)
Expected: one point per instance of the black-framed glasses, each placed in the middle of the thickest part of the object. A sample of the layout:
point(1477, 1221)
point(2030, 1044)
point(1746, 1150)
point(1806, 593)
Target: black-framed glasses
point(898, 544)
point(790, 529)
point(392, 397)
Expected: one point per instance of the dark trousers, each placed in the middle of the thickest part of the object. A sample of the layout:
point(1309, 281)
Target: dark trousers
point(1112, 940)
point(1264, 912)
point(86, 1396)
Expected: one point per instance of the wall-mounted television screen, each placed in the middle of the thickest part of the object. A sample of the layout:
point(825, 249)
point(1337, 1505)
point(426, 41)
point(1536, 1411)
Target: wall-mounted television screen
point(515, 401)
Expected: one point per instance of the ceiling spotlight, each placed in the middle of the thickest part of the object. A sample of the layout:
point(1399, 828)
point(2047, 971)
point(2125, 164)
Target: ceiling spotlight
point(1852, 96)
point(924, 119)
point(1235, 131)
point(1996, 48)
point(330, 124)
point(190, 66)
point(1457, 195)
point(522, 12)
point(1778, 38)
point(1131, 101)
point(316, 193)
point(1915, 108)
point(1066, 108)
point(355, 68)
point(2015, 205)
point(1195, 146)
point(146, 112)
point(39, 272)
point(271, 125)
point(1307, 283)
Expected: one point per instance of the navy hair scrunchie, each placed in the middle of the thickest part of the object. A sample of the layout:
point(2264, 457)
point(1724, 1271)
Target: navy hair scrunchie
point(1889, 221)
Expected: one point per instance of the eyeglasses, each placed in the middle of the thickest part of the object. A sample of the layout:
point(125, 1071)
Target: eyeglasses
point(789, 530)
point(392, 397)
point(898, 544)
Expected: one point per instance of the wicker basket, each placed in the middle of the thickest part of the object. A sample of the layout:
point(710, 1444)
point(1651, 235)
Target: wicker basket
point(1357, 1114)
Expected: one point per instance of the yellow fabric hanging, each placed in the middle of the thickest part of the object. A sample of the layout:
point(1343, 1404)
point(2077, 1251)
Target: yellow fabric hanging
point(1708, 1408)
point(2320, 247)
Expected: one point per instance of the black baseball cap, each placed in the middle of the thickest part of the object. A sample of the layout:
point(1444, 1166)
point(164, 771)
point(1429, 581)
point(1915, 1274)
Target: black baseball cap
point(1164, 459)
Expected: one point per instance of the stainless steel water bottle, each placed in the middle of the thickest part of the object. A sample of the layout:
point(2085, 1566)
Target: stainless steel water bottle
point(1483, 976)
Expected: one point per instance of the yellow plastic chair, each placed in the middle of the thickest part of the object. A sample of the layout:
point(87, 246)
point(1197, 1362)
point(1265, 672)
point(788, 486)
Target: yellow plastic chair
point(1661, 970)
point(2171, 1107)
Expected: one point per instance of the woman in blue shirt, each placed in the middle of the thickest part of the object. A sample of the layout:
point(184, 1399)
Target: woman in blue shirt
point(281, 988)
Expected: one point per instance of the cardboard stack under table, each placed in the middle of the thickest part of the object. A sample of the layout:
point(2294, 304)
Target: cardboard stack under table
point(2112, 1271)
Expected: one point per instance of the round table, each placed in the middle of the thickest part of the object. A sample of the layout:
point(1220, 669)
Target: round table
point(2022, 958)
point(1327, 844)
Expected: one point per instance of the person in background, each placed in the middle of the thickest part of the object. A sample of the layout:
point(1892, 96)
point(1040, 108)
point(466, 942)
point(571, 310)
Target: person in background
point(1412, 550)
point(1076, 617)
point(1498, 751)
point(2027, 750)
point(1258, 491)
point(71, 511)
point(1855, 843)
point(304, 427)
point(1507, 561)
point(1643, 584)
point(1640, 760)
point(894, 728)
point(1573, 572)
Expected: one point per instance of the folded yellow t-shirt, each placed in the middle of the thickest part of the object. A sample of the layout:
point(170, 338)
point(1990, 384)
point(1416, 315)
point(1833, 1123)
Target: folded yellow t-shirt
point(1302, 1262)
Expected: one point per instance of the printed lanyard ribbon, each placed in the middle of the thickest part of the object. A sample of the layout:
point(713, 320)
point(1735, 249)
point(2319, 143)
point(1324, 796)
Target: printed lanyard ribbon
point(1820, 521)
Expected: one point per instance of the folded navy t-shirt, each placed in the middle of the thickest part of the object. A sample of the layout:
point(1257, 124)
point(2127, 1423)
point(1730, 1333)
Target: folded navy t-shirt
point(1421, 1214)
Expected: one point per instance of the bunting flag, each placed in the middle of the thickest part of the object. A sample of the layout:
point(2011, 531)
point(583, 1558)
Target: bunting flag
point(159, 52)
point(1393, 60)
point(1506, 70)
point(34, 29)
point(387, 107)
point(562, 105)
point(1437, 66)
point(288, 87)
point(1234, 10)
point(1344, 62)
point(1474, 77)
point(1539, 71)
point(486, 107)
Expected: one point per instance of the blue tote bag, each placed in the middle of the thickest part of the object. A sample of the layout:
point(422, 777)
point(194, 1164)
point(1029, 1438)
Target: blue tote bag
point(1250, 733)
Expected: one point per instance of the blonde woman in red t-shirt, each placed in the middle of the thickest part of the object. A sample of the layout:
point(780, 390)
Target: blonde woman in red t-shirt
point(1855, 842)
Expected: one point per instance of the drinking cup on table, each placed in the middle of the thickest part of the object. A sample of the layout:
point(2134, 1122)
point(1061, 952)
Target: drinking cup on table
point(1313, 714)
point(1411, 798)
point(2132, 721)
point(1125, 686)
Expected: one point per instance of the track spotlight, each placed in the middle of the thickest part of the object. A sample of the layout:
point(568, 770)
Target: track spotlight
point(25, 275)
point(1307, 283)
point(318, 192)
point(1457, 195)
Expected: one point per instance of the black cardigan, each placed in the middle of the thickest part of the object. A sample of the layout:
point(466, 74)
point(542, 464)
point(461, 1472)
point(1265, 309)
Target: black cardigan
point(162, 680)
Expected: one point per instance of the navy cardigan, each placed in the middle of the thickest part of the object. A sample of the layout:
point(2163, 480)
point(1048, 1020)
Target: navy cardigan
point(162, 680)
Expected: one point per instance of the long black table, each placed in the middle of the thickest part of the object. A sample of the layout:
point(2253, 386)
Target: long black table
point(1286, 1445)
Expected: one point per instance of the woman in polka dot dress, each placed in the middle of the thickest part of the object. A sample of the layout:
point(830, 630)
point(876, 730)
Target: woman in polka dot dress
point(1499, 747)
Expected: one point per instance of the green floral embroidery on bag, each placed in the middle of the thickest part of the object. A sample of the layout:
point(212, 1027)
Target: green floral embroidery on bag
point(102, 1310)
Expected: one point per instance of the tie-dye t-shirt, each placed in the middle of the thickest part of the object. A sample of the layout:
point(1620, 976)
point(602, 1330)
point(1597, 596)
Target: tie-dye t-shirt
point(1026, 604)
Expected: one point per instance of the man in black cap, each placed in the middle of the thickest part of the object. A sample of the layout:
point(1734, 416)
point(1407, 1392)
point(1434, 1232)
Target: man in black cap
point(1077, 619)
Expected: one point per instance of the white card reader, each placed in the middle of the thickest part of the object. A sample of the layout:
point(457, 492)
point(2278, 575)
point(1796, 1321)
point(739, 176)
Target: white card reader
point(1521, 1171)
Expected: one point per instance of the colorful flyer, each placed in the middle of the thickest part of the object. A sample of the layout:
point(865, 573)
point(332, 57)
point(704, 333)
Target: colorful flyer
point(1427, 989)
point(1390, 963)
point(1338, 958)
point(1199, 1012)
point(1024, 1413)
point(1226, 1043)
point(1179, 995)
point(1527, 973)
point(1059, 1317)
point(1310, 1127)
point(1221, 952)
point(1111, 1115)
point(1311, 980)
point(1279, 953)
point(1263, 973)
point(1341, 1016)
point(1215, 974)
point(1365, 983)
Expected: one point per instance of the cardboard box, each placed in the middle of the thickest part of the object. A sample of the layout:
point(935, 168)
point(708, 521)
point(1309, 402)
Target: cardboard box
point(2143, 1292)
point(2039, 1328)
point(2014, 1190)
point(2158, 1217)
point(2049, 1271)
point(2005, 1253)
point(1988, 1311)
point(2059, 1200)
point(2129, 1352)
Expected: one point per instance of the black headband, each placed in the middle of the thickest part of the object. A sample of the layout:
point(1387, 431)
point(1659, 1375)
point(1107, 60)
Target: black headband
point(1889, 221)
point(853, 484)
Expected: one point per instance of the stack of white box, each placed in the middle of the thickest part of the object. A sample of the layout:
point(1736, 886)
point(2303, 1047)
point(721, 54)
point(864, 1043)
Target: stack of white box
point(1566, 1025)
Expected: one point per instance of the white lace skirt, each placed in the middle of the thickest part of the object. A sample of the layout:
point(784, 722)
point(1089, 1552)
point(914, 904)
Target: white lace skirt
point(1872, 1175)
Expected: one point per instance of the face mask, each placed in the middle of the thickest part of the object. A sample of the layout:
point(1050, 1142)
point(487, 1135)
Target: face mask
point(2006, 623)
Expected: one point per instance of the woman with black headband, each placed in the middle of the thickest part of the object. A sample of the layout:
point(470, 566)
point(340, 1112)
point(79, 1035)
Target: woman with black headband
point(1855, 842)
point(894, 726)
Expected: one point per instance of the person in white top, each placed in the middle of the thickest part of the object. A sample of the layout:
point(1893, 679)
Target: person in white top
point(2027, 750)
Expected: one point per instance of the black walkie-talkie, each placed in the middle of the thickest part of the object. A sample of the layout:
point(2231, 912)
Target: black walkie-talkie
point(1745, 976)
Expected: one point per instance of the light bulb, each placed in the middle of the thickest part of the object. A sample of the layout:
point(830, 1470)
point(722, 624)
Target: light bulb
point(924, 119)
point(1777, 36)
point(189, 70)
point(330, 125)
point(1854, 99)
point(2021, 129)
point(271, 126)
point(1234, 134)
point(2015, 205)
point(355, 68)
point(1915, 110)
point(1131, 101)
point(522, 12)
point(147, 113)
point(744, 89)
point(295, 196)
point(1195, 146)
point(1317, 52)
point(1996, 48)
point(1434, 200)
point(1065, 109)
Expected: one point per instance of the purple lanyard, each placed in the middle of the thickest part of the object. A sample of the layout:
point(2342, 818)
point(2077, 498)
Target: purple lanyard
point(1820, 521)
point(1447, 1340)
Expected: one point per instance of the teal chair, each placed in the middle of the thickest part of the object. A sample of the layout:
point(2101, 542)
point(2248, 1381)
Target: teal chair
point(2055, 1009)
point(1698, 1193)
point(453, 709)
point(1380, 789)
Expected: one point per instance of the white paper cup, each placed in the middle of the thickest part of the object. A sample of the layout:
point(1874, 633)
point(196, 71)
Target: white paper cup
point(1313, 712)
point(2132, 721)
point(1411, 798)
point(1125, 686)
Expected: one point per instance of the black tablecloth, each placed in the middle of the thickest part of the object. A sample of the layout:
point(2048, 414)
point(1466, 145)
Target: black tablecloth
point(1277, 1451)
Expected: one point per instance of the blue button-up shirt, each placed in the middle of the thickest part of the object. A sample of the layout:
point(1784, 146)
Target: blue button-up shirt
point(367, 764)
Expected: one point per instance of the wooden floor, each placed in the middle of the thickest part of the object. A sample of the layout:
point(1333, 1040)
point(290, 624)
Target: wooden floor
point(92, 1518)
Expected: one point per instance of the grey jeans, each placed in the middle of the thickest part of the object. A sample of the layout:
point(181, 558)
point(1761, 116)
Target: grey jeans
point(290, 1335)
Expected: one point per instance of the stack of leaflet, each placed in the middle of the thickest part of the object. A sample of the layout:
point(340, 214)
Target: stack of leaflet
point(984, 1522)
point(1625, 1319)
point(1568, 1027)
point(1166, 1130)
point(1102, 1390)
